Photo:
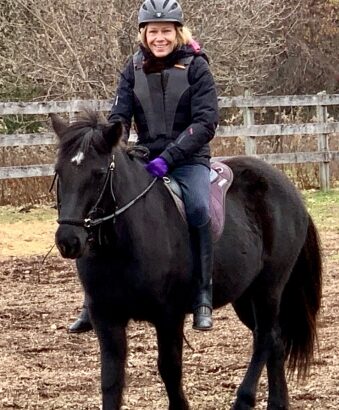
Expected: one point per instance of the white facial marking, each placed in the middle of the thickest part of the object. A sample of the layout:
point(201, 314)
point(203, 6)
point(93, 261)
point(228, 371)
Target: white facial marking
point(78, 158)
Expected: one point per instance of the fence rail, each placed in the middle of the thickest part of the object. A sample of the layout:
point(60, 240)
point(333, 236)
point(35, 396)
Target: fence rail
point(249, 131)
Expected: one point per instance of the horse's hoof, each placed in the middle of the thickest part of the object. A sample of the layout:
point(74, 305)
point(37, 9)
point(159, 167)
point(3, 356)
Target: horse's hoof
point(82, 324)
point(241, 406)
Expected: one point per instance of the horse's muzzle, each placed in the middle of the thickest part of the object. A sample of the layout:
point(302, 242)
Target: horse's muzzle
point(71, 241)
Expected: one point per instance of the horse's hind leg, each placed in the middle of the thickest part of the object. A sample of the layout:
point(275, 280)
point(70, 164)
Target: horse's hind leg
point(170, 339)
point(268, 349)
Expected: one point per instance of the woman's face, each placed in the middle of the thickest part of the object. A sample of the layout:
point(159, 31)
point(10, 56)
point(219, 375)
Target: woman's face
point(161, 38)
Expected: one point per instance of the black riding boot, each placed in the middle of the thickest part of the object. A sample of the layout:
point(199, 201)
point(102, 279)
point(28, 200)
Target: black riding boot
point(203, 250)
point(83, 323)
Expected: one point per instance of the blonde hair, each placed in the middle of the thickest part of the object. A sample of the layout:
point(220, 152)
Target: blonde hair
point(184, 35)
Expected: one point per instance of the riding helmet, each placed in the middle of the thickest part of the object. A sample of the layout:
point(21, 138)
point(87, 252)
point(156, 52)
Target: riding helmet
point(160, 10)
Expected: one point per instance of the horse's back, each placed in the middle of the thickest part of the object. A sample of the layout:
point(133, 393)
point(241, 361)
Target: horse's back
point(265, 228)
point(259, 176)
point(267, 190)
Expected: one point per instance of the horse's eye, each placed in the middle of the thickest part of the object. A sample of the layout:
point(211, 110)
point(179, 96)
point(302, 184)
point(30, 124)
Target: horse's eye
point(98, 173)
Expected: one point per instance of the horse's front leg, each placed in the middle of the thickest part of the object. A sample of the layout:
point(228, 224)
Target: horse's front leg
point(113, 350)
point(170, 339)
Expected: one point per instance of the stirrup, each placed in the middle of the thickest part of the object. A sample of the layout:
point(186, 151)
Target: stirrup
point(202, 318)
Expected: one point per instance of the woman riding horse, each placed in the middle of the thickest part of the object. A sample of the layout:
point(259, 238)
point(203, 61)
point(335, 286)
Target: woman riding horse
point(168, 89)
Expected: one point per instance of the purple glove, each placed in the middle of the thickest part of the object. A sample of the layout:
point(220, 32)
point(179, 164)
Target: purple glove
point(158, 167)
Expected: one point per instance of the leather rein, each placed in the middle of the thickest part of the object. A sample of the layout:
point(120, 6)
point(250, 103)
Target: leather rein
point(89, 221)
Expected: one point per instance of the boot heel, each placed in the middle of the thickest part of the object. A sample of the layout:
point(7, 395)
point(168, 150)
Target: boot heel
point(202, 318)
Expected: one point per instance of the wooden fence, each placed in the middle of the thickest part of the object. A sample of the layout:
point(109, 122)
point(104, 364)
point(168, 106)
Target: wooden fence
point(321, 129)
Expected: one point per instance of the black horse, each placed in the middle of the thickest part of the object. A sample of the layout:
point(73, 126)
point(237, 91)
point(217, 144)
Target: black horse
point(134, 260)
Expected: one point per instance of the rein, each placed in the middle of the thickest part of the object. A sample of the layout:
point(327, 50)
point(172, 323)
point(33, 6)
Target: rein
point(91, 222)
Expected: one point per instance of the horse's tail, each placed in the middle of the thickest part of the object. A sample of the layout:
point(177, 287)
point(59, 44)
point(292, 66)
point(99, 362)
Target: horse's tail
point(301, 303)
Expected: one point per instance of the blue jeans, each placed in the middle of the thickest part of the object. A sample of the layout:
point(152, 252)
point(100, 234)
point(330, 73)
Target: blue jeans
point(194, 181)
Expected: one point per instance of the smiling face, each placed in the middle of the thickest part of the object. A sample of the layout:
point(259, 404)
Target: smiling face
point(161, 38)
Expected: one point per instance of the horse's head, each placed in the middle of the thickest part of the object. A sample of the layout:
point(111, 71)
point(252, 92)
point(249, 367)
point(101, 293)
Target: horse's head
point(82, 167)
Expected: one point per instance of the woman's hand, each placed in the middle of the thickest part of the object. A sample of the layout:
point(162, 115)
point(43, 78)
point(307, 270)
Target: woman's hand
point(157, 167)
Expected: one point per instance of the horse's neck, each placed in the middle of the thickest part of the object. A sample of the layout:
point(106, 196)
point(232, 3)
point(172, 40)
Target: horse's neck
point(131, 178)
point(133, 181)
point(141, 222)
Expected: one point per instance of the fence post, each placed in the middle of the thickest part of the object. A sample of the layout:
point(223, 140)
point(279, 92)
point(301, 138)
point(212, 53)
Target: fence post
point(248, 116)
point(72, 117)
point(324, 167)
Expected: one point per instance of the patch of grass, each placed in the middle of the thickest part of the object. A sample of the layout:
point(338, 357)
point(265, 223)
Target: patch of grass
point(10, 214)
point(324, 208)
point(334, 257)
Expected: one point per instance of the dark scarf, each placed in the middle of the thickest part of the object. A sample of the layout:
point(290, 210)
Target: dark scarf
point(154, 64)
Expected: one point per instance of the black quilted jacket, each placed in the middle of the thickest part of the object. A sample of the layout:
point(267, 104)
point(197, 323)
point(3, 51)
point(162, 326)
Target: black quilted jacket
point(196, 116)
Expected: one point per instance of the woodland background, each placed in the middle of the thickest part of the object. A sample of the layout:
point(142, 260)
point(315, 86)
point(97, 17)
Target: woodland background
point(60, 49)
point(64, 49)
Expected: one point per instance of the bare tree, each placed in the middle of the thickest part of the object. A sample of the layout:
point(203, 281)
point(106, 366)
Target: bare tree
point(71, 48)
point(244, 38)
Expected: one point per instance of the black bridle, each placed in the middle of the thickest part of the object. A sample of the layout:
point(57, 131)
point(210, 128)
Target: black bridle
point(90, 221)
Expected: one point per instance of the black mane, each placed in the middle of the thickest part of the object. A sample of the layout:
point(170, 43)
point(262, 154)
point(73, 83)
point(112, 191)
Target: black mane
point(87, 131)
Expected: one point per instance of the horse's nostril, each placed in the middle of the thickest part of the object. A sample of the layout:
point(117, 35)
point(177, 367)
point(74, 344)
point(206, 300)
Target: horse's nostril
point(62, 249)
point(69, 247)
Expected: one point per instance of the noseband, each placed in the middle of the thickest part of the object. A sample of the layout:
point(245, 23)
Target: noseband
point(89, 222)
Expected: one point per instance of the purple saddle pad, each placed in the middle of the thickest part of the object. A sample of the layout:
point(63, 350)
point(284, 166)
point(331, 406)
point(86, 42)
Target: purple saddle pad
point(219, 189)
point(221, 180)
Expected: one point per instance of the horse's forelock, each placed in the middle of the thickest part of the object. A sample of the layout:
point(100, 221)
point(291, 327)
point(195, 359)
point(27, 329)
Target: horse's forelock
point(80, 135)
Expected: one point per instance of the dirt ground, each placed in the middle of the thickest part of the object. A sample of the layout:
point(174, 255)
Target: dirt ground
point(44, 367)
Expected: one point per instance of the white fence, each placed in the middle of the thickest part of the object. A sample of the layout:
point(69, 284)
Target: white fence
point(249, 130)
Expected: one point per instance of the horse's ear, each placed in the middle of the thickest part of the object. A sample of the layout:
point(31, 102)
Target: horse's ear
point(59, 124)
point(113, 133)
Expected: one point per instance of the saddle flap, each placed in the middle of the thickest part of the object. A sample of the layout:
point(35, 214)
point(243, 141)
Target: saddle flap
point(221, 178)
point(219, 188)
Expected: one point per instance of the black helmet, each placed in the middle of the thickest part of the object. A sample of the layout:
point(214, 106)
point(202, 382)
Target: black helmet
point(160, 10)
